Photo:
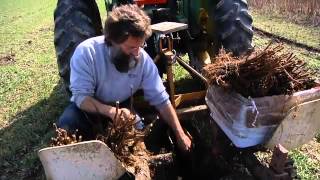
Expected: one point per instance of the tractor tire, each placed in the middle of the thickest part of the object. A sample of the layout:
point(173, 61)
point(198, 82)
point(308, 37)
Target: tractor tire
point(74, 22)
point(234, 26)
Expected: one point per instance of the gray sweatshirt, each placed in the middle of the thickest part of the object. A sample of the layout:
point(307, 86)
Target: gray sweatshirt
point(93, 74)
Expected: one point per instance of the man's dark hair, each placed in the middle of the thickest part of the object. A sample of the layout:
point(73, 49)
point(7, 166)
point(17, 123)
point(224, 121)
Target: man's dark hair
point(124, 21)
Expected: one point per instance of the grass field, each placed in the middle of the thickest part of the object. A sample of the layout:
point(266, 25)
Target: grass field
point(32, 96)
point(300, 33)
point(298, 11)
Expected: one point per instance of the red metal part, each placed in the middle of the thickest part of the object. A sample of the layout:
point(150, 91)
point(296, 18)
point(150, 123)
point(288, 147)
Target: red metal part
point(143, 2)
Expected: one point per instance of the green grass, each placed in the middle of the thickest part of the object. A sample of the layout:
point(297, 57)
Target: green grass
point(280, 26)
point(306, 168)
point(31, 96)
point(19, 17)
point(307, 35)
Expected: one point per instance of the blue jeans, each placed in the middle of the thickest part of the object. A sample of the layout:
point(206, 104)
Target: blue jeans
point(88, 125)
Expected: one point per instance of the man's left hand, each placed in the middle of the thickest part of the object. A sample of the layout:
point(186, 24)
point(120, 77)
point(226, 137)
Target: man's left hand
point(184, 142)
point(170, 116)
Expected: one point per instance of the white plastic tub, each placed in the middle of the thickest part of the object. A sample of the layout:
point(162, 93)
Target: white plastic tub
point(249, 122)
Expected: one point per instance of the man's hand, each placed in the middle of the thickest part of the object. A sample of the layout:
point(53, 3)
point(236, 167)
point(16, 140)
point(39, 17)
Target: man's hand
point(184, 142)
point(92, 105)
point(125, 112)
point(170, 116)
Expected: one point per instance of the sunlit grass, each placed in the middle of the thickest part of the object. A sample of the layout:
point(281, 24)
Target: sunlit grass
point(280, 26)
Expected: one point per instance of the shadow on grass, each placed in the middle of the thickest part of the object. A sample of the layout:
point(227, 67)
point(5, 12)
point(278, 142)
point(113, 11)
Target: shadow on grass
point(30, 131)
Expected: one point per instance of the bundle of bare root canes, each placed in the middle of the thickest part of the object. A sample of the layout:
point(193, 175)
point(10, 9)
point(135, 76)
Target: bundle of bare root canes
point(128, 144)
point(261, 73)
point(62, 137)
point(125, 141)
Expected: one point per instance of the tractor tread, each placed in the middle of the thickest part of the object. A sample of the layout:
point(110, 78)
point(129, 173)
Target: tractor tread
point(235, 26)
point(75, 21)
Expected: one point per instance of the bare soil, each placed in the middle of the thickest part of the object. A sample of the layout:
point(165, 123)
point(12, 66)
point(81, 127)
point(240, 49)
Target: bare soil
point(8, 58)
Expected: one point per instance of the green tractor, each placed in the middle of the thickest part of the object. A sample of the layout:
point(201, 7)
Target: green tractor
point(211, 25)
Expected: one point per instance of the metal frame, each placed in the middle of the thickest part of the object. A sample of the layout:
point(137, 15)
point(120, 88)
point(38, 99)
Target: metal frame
point(165, 30)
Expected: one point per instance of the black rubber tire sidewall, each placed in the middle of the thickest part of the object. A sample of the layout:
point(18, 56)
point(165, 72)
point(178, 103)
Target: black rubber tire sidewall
point(74, 22)
point(233, 25)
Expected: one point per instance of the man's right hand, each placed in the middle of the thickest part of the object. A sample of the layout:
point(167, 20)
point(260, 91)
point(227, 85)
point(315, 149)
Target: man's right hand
point(125, 112)
point(92, 105)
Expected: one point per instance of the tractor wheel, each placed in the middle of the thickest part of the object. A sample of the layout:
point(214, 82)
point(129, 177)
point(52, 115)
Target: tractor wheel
point(234, 26)
point(75, 21)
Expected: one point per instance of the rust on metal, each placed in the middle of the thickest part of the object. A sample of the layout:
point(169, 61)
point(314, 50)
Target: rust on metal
point(192, 70)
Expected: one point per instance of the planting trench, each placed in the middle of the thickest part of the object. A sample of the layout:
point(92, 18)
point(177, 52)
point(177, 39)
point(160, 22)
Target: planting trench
point(212, 157)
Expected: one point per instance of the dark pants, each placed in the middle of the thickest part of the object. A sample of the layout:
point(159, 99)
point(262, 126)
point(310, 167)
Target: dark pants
point(88, 125)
